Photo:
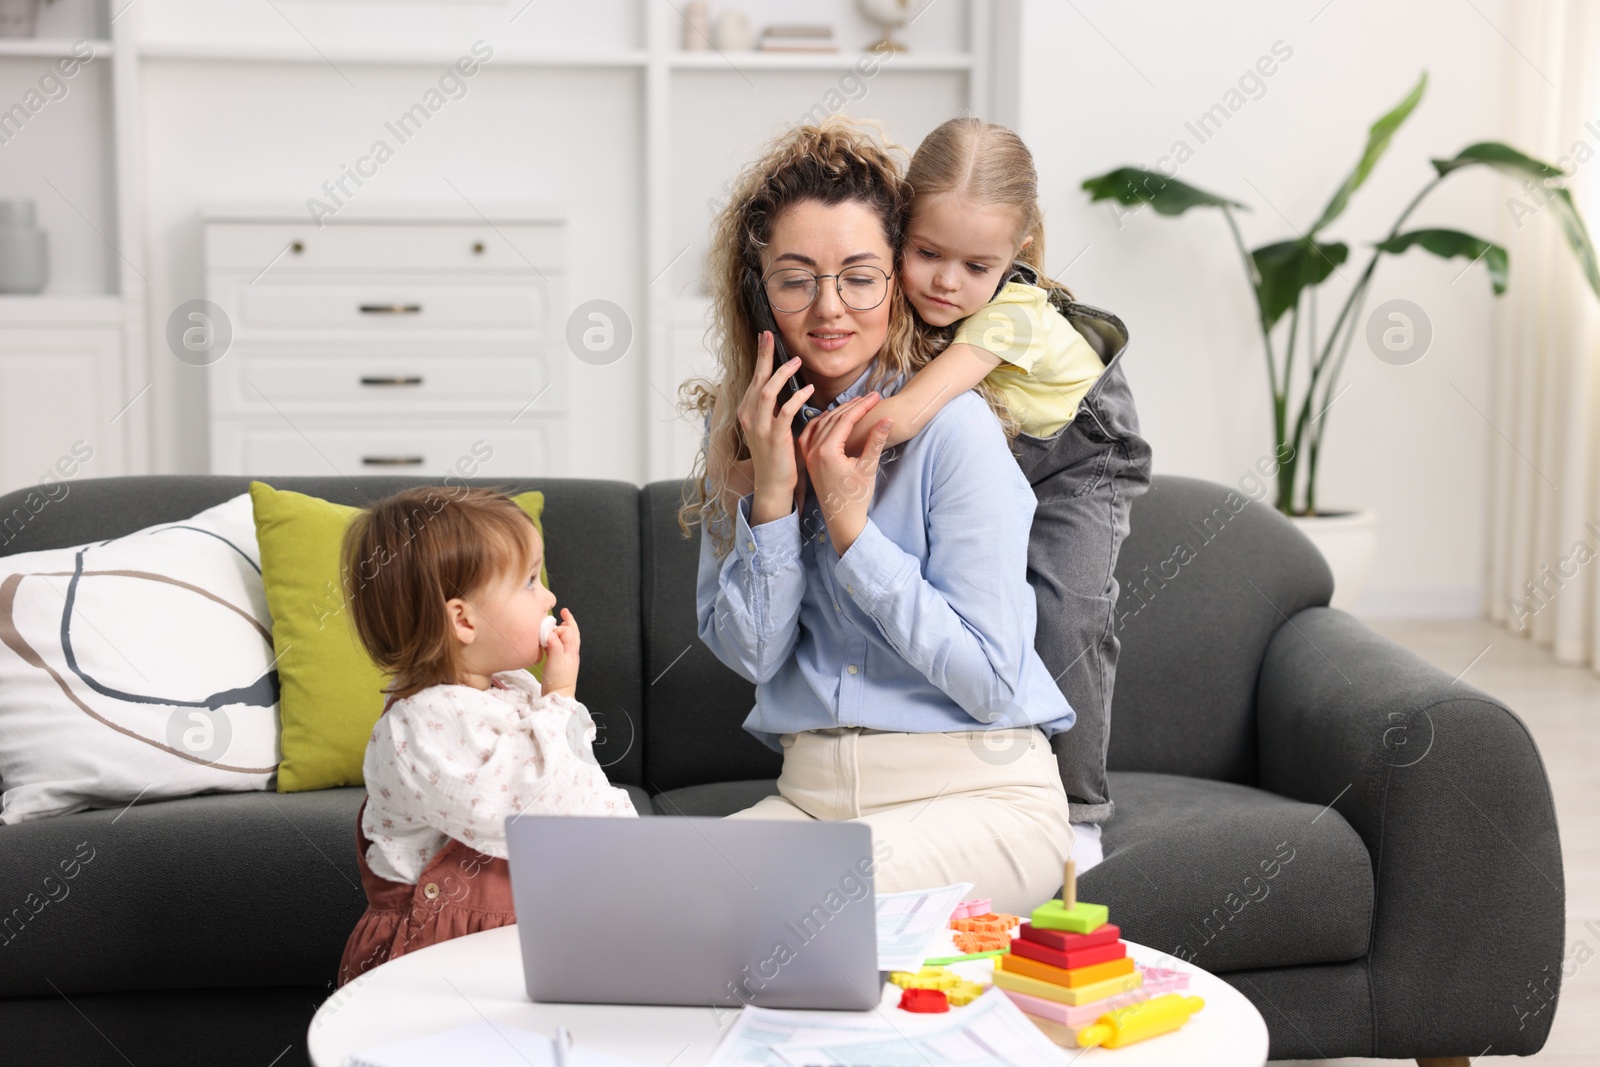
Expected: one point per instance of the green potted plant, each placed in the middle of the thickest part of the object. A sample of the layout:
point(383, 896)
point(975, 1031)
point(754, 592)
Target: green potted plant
point(1284, 278)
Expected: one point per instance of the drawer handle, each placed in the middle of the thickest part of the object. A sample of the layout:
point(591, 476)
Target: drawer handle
point(392, 461)
point(391, 309)
point(409, 379)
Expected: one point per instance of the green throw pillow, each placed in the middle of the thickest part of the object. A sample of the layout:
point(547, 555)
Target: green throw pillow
point(330, 690)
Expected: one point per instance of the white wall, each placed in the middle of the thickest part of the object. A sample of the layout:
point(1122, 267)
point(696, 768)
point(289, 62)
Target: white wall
point(1106, 84)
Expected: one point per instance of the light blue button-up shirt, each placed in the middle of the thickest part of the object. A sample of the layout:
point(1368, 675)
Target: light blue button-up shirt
point(926, 624)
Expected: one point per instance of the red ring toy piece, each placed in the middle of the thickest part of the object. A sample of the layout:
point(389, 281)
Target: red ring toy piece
point(924, 1000)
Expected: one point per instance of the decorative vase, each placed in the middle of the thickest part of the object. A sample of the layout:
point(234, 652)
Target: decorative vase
point(888, 16)
point(1348, 540)
point(18, 18)
point(24, 258)
point(697, 26)
point(732, 32)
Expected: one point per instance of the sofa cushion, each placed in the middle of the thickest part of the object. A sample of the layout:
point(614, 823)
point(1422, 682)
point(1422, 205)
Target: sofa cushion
point(137, 666)
point(714, 798)
point(694, 705)
point(254, 888)
point(228, 889)
point(1230, 877)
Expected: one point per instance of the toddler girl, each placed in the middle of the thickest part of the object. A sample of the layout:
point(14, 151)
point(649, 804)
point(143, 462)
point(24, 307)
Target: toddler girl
point(445, 593)
point(973, 269)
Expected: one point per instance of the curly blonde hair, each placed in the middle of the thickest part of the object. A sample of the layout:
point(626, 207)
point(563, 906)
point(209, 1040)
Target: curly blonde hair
point(839, 160)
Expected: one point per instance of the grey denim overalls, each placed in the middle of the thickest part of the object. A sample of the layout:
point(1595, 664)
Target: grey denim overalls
point(1085, 478)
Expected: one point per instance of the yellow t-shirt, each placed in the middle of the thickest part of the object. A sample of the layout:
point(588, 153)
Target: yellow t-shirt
point(1046, 365)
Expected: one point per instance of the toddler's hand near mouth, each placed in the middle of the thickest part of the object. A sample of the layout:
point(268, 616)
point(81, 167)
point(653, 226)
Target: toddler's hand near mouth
point(561, 654)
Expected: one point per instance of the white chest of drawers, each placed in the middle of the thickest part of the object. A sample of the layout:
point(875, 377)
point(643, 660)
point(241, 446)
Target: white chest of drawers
point(390, 341)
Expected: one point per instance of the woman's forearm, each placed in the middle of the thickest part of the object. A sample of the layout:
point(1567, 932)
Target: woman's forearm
point(895, 407)
point(951, 373)
point(763, 511)
point(747, 604)
point(843, 536)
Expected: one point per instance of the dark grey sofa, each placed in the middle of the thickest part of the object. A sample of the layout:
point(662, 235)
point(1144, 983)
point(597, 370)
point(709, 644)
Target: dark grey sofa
point(1365, 849)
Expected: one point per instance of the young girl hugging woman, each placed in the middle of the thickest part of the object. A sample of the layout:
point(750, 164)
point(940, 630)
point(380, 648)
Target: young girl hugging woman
point(973, 268)
point(455, 611)
point(882, 611)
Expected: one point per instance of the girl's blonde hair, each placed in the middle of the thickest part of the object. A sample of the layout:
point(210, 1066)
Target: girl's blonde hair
point(404, 556)
point(987, 164)
point(839, 160)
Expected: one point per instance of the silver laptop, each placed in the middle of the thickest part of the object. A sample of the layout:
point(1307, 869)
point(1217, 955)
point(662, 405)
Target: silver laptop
point(695, 911)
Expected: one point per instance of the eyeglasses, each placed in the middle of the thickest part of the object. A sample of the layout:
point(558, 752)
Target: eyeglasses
point(795, 289)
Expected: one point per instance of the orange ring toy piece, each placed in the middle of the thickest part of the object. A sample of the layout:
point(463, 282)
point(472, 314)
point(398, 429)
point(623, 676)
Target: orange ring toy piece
point(987, 924)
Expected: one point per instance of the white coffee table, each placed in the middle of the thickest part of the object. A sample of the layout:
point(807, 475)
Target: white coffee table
point(477, 977)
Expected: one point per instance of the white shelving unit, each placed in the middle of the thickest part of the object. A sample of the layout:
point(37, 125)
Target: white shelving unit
point(810, 61)
point(49, 47)
point(388, 56)
point(687, 102)
point(72, 365)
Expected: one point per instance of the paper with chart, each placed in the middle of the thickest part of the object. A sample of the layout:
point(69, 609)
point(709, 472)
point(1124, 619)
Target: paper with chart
point(910, 924)
point(991, 1030)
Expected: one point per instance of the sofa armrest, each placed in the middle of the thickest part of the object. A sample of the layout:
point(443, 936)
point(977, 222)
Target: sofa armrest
point(1446, 787)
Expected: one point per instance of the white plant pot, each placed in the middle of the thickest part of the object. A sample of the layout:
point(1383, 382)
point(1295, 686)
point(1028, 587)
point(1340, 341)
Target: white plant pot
point(18, 18)
point(1348, 540)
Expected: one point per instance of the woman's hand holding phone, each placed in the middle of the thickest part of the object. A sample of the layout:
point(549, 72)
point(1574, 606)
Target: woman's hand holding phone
point(768, 430)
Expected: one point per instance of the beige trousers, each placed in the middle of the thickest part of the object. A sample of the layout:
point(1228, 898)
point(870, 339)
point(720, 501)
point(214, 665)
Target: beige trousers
point(979, 806)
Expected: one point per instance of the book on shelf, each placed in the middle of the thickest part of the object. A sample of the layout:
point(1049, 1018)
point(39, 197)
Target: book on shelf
point(797, 37)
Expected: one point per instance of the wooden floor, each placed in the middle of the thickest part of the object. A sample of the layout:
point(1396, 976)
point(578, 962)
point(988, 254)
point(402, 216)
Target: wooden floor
point(1561, 706)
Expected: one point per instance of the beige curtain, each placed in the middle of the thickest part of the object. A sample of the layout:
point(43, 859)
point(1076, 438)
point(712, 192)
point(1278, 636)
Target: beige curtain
point(1544, 493)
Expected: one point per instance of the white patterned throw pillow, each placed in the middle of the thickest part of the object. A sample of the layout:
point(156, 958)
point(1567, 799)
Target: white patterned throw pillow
point(140, 667)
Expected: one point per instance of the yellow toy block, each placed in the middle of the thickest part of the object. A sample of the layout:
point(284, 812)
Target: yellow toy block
point(963, 993)
point(957, 990)
point(926, 978)
point(1021, 983)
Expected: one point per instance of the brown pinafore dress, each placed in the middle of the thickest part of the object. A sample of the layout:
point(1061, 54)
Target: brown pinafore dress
point(461, 891)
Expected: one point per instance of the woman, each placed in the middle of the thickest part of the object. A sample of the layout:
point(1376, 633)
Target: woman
point(880, 604)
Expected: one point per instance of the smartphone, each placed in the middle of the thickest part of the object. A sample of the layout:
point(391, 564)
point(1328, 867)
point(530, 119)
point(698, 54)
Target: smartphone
point(755, 299)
